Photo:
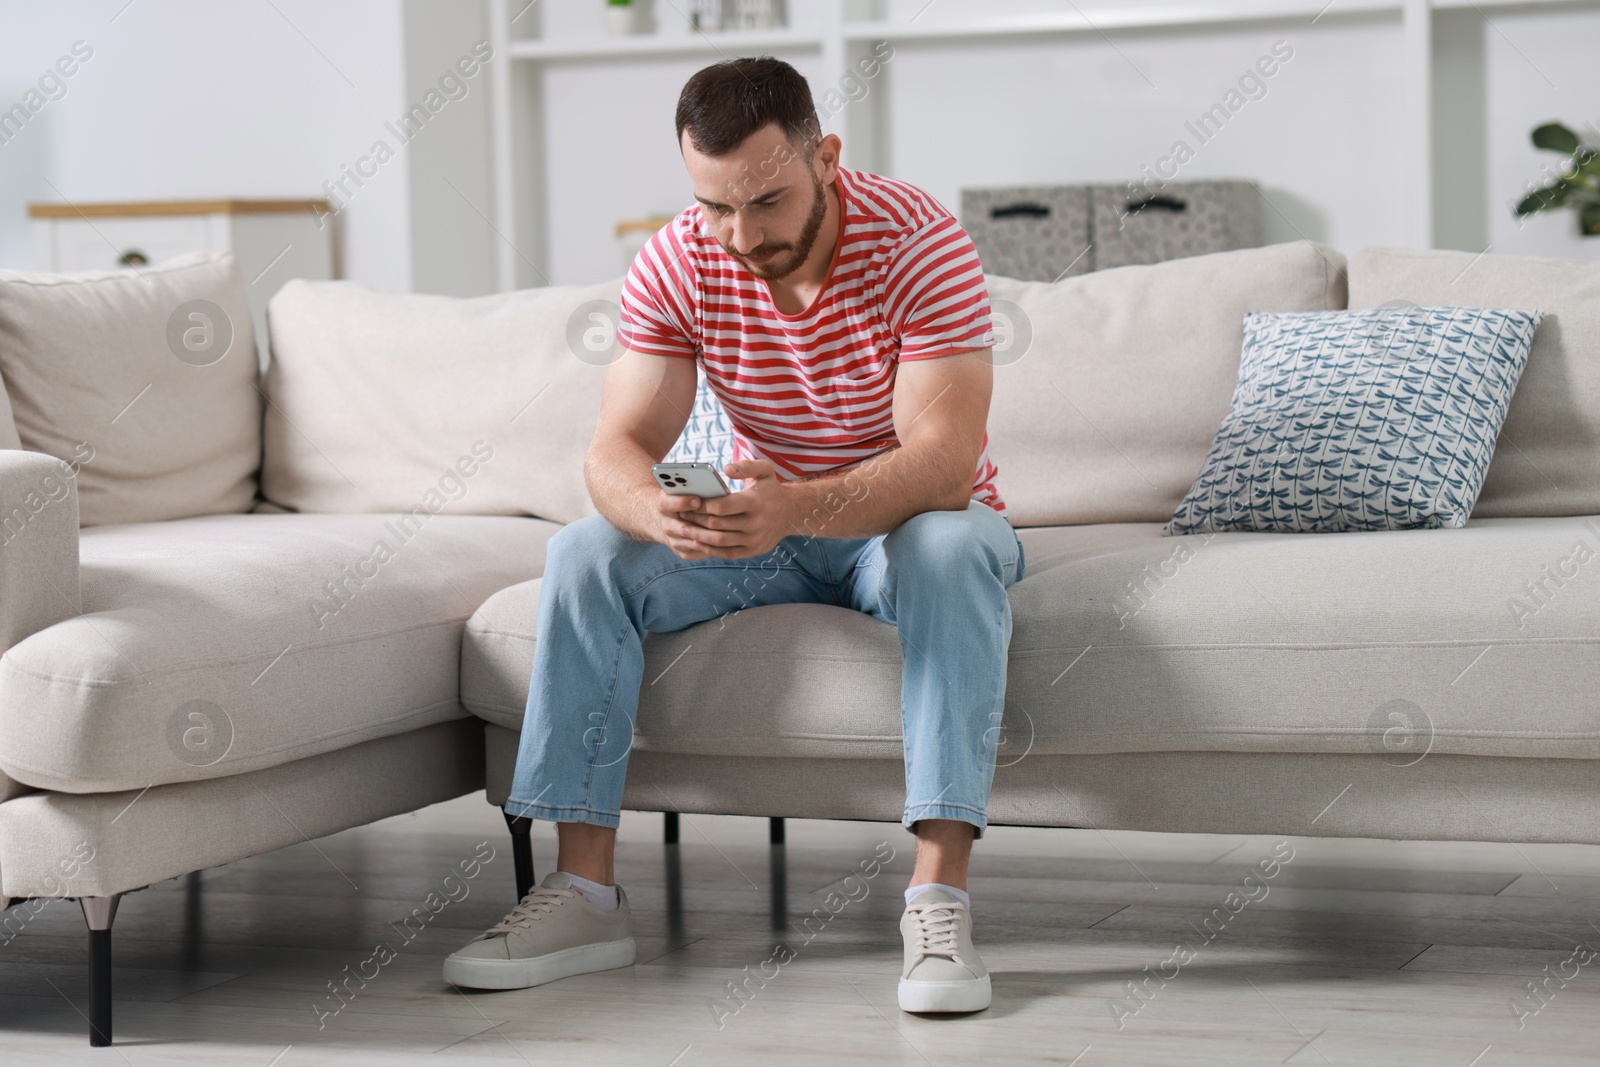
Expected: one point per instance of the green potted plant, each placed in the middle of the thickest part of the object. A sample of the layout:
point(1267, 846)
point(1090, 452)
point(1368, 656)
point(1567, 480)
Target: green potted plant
point(625, 17)
point(1577, 181)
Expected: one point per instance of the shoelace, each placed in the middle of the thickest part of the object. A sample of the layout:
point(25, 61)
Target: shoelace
point(938, 927)
point(539, 902)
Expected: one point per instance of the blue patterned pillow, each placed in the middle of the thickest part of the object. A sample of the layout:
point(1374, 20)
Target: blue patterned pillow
point(708, 437)
point(1360, 420)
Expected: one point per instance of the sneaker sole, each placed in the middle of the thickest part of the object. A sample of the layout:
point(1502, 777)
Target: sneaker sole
point(537, 970)
point(971, 995)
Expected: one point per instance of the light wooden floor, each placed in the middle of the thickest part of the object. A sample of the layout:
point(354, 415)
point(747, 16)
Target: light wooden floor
point(1362, 952)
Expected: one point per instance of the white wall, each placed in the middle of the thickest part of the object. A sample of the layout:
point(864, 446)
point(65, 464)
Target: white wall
point(194, 98)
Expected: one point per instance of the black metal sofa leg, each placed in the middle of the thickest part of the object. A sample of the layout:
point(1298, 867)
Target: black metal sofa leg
point(99, 913)
point(775, 830)
point(521, 828)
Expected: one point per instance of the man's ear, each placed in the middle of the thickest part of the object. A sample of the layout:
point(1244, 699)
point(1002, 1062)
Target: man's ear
point(825, 160)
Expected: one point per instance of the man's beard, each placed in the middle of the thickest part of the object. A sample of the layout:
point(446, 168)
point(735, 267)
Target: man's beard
point(802, 247)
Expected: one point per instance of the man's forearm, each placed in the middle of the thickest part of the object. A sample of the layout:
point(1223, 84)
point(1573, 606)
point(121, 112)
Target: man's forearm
point(878, 495)
point(618, 476)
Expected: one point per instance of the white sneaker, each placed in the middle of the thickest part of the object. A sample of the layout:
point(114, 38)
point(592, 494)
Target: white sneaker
point(553, 933)
point(942, 971)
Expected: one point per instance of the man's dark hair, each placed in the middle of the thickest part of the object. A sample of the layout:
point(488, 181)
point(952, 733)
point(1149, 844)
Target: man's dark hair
point(726, 102)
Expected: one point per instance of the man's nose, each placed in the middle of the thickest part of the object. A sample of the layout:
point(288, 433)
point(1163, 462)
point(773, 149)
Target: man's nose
point(745, 238)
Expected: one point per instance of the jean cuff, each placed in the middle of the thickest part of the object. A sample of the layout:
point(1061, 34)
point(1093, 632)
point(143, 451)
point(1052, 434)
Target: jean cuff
point(549, 813)
point(957, 812)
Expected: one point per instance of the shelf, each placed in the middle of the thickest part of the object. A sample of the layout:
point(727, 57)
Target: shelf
point(1507, 7)
point(521, 160)
point(1168, 16)
point(723, 42)
point(177, 207)
point(1171, 16)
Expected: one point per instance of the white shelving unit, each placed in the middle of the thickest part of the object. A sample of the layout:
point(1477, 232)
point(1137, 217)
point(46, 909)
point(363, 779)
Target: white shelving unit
point(521, 210)
point(737, 42)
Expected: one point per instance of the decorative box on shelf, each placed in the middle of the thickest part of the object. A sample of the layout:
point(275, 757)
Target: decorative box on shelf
point(1049, 232)
point(273, 240)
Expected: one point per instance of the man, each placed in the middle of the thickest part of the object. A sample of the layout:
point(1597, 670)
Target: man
point(842, 320)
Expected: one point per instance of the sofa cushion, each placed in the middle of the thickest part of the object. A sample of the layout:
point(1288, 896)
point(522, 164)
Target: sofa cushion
point(708, 435)
point(1546, 460)
point(214, 646)
point(1382, 419)
point(1109, 387)
point(145, 380)
point(8, 423)
point(375, 393)
point(1476, 641)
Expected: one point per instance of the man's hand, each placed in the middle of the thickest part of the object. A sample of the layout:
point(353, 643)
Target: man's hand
point(749, 522)
point(674, 530)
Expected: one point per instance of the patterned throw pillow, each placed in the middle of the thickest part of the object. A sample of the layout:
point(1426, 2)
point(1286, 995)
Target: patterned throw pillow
point(708, 437)
point(1360, 420)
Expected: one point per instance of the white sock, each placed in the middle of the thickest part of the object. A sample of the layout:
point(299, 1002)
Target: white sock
point(959, 894)
point(603, 897)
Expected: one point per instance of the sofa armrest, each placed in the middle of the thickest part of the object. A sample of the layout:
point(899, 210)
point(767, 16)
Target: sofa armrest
point(38, 544)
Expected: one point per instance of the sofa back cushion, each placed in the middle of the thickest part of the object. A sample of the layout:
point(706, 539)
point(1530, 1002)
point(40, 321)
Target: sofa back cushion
point(8, 422)
point(389, 402)
point(1109, 387)
point(144, 380)
point(1547, 461)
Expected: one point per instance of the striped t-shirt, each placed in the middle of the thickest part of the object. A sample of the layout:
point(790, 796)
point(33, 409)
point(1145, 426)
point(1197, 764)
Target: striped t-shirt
point(813, 393)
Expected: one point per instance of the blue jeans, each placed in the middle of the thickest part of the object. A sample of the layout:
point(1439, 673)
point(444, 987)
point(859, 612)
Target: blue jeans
point(940, 577)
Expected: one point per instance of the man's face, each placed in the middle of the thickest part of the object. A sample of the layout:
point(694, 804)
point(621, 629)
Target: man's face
point(765, 202)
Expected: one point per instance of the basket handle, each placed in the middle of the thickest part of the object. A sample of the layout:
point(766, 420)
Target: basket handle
point(1020, 211)
point(1166, 203)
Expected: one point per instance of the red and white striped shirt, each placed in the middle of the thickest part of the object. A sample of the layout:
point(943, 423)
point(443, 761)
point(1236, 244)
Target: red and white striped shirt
point(813, 392)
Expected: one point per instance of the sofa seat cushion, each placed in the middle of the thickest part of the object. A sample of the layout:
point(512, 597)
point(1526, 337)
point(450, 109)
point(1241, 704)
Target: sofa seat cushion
point(218, 645)
point(1473, 641)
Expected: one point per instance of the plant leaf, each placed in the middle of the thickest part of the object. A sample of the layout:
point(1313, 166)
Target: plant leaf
point(1557, 138)
point(1546, 199)
point(1589, 219)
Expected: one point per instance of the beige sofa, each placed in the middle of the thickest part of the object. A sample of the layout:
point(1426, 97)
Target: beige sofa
point(208, 655)
point(1418, 684)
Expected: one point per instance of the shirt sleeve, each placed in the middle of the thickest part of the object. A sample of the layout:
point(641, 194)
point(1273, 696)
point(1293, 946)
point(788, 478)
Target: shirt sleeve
point(658, 316)
point(934, 294)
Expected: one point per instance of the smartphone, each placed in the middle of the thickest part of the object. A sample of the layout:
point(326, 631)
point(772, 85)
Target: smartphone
point(690, 479)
